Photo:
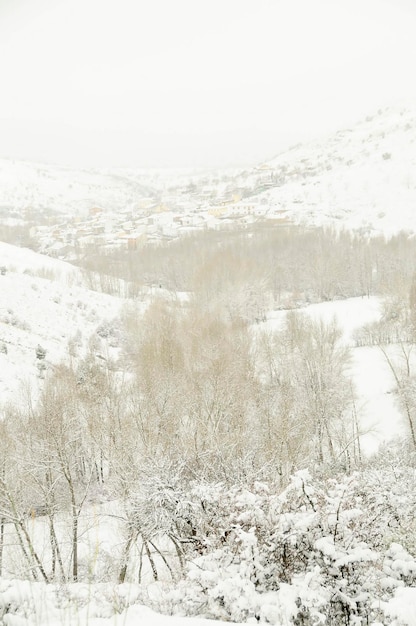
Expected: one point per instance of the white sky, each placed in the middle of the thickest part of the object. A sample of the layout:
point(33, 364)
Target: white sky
point(194, 82)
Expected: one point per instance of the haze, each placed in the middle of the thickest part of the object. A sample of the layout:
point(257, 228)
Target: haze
point(186, 83)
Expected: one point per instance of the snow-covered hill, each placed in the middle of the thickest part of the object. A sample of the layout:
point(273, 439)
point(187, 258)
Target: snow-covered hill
point(46, 303)
point(31, 186)
point(363, 177)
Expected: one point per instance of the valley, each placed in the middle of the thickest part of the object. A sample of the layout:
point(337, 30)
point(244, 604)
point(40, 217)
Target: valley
point(207, 384)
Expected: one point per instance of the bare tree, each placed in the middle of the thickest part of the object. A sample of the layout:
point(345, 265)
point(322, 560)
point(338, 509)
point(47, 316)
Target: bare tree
point(308, 373)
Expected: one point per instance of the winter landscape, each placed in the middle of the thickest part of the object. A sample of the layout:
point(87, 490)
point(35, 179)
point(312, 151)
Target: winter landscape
point(207, 357)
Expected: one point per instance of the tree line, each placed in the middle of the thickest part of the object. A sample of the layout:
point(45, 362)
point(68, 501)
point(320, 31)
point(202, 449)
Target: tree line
point(263, 266)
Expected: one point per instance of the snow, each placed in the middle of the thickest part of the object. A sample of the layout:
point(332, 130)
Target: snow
point(377, 407)
point(402, 607)
point(28, 603)
point(23, 260)
point(350, 314)
point(39, 187)
point(43, 302)
point(359, 178)
point(379, 416)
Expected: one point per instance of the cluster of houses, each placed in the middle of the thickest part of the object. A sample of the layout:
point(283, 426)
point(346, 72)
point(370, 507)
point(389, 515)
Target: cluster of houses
point(145, 222)
point(173, 207)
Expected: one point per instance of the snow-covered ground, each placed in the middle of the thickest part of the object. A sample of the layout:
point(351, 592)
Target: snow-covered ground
point(377, 410)
point(25, 261)
point(43, 302)
point(35, 604)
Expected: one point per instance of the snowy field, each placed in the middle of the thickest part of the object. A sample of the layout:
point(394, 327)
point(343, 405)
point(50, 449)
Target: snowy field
point(378, 414)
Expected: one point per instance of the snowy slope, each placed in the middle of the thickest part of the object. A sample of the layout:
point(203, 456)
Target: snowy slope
point(25, 261)
point(43, 302)
point(359, 178)
point(35, 186)
point(377, 408)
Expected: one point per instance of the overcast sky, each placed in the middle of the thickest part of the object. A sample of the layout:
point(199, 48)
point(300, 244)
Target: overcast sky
point(194, 82)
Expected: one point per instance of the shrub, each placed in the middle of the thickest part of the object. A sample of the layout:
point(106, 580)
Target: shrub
point(40, 352)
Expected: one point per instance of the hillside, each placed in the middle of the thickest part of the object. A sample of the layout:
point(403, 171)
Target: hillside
point(359, 178)
point(37, 188)
point(49, 303)
point(44, 302)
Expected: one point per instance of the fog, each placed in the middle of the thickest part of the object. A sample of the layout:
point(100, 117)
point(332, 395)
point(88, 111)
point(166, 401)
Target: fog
point(194, 84)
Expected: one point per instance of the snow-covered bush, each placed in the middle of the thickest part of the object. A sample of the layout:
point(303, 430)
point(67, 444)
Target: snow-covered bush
point(110, 330)
point(10, 317)
point(311, 554)
point(40, 352)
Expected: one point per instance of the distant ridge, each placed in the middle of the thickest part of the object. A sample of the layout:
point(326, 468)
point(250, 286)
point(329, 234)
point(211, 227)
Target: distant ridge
point(61, 189)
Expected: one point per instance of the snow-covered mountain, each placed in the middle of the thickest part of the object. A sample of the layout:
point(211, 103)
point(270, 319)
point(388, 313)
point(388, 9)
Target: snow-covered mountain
point(360, 177)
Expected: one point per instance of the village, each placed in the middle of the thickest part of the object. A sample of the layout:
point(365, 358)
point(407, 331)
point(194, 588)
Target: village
point(154, 219)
